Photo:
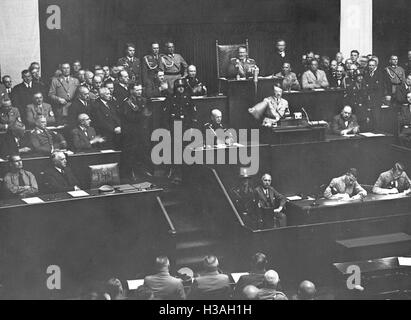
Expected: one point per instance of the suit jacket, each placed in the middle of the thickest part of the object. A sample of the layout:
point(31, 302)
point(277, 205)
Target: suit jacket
point(12, 184)
point(309, 81)
point(274, 200)
point(338, 123)
point(120, 93)
point(401, 93)
point(105, 119)
point(59, 88)
point(377, 86)
point(210, 286)
point(21, 96)
point(276, 63)
point(81, 141)
point(165, 287)
point(255, 279)
point(9, 146)
point(55, 182)
point(43, 141)
point(33, 112)
point(76, 108)
point(334, 83)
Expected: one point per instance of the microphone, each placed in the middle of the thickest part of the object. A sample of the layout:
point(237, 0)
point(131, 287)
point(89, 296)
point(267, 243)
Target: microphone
point(306, 115)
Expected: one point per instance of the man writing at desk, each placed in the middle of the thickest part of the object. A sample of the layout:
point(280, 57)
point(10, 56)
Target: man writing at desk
point(345, 187)
point(274, 107)
point(393, 181)
point(345, 123)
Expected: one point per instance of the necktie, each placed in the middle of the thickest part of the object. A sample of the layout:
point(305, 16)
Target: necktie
point(315, 75)
point(85, 132)
point(21, 180)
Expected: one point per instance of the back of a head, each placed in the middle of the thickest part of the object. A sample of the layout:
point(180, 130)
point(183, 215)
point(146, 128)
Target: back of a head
point(259, 261)
point(162, 263)
point(306, 290)
point(271, 279)
point(143, 293)
point(114, 288)
point(210, 263)
point(250, 292)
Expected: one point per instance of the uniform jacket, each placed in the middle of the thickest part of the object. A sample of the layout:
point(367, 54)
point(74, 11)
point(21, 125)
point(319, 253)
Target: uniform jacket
point(289, 82)
point(309, 81)
point(173, 64)
point(11, 182)
point(194, 86)
point(377, 86)
point(276, 63)
point(120, 93)
point(254, 279)
point(77, 108)
point(21, 96)
point(210, 285)
point(401, 93)
point(55, 181)
point(8, 116)
point(34, 111)
point(9, 145)
point(150, 65)
point(179, 108)
point(132, 66)
point(59, 88)
point(337, 185)
point(81, 141)
point(44, 141)
point(386, 181)
point(165, 287)
point(245, 70)
point(338, 124)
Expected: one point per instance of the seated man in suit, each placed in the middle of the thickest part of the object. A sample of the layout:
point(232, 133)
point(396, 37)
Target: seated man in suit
point(84, 136)
point(212, 132)
point(404, 123)
point(106, 119)
point(269, 288)
point(345, 123)
point(393, 181)
point(273, 107)
point(45, 141)
point(314, 78)
point(39, 108)
point(59, 178)
point(242, 66)
point(19, 182)
point(163, 285)
point(211, 284)
point(289, 78)
point(255, 277)
point(15, 141)
point(345, 187)
point(194, 86)
point(271, 204)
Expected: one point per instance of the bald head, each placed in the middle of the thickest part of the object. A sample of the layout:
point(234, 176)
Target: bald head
point(306, 290)
point(250, 292)
point(104, 94)
point(346, 112)
point(192, 71)
point(216, 116)
point(84, 120)
point(271, 278)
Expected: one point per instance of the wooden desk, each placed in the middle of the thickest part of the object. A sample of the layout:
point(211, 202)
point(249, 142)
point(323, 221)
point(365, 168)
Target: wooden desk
point(292, 134)
point(243, 94)
point(304, 212)
point(79, 163)
point(204, 106)
point(86, 237)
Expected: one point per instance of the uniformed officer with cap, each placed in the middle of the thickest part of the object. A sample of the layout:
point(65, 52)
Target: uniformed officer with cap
point(242, 66)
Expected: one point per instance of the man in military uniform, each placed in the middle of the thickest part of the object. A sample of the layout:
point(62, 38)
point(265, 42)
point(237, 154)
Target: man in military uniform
point(157, 88)
point(179, 107)
point(39, 108)
point(393, 181)
point(151, 65)
point(407, 65)
point(194, 86)
point(121, 88)
point(62, 92)
point(404, 123)
point(222, 137)
point(395, 73)
point(173, 64)
point(131, 63)
point(8, 115)
point(45, 141)
point(19, 182)
point(242, 66)
point(403, 90)
point(135, 119)
point(356, 97)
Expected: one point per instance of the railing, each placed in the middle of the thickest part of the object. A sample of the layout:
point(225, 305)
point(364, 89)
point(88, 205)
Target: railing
point(171, 230)
point(227, 197)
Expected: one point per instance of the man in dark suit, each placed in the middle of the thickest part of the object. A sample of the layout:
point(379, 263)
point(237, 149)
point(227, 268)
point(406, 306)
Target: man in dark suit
point(211, 284)
point(14, 141)
point(22, 94)
point(62, 92)
point(121, 88)
point(404, 123)
point(403, 90)
point(106, 120)
point(39, 108)
point(280, 56)
point(130, 63)
point(345, 123)
point(271, 204)
point(59, 178)
point(80, 105)
point(378, 87)
point(84, 136)
point(339, 80)
point(163, 285)
point(255, 277)
point(5, 87)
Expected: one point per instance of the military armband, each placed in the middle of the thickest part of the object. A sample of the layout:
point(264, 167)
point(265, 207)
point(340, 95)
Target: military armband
point(51, 113)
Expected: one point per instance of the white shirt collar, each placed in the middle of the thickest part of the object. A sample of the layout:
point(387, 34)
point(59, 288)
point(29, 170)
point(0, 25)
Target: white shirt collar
point(58, 169)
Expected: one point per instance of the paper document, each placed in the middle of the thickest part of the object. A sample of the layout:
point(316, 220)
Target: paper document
point(404, 261)
point(370, 134)
point(237, 275)
point(294, 198)
point(78, 193)
point(134, 284)
point(32, 200)
point(107, 151)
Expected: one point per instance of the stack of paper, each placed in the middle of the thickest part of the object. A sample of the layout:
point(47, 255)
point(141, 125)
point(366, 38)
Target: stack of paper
point(32, 200)
point(404, 261)
point(78, 193)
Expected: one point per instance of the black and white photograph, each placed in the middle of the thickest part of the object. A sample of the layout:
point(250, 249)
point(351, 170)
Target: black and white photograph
point(224, 150)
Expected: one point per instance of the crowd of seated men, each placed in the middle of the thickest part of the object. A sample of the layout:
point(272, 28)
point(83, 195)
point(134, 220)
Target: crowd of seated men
point(262, 207)
point(209, 283)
